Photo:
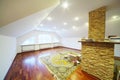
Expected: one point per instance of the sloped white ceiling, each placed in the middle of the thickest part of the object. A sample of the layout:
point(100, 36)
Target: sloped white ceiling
point(81, 9)
point(12, 10)
point(26, 24)
point(76, 8)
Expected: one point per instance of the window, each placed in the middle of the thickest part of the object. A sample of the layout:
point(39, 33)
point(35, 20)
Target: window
point(41, 39)
point(29, 41)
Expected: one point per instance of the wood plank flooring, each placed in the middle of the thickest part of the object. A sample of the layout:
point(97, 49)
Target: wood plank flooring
point(26, 66)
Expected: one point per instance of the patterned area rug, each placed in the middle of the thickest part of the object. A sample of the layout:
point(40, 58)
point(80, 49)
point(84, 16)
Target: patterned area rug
point(61, 65)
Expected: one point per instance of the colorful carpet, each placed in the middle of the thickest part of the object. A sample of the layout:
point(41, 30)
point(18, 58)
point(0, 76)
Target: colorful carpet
point(62, 64)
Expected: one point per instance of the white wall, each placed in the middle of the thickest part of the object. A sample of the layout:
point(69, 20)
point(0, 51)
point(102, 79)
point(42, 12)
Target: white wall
point(113, 28)
point(7, 54)
point(117, 50)
point(71, 42)
point(112, 24)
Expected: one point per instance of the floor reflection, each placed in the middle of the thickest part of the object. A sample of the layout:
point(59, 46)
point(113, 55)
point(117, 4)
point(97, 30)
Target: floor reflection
point(29, 61)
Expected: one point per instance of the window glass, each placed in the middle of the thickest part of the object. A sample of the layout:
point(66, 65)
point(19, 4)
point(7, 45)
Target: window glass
point(29, 41)
point(41, 39)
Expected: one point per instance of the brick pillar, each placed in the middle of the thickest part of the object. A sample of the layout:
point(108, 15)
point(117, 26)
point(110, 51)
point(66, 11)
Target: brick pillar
point(97, 24)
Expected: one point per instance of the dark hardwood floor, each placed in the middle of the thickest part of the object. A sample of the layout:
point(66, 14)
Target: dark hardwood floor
point(26, 66)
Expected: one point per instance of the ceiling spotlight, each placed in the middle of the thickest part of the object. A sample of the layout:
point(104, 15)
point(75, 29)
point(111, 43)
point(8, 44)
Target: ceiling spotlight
point(64, 23)
point(114, 17)
point(49, 18)
point(76, 18)
point(74, 28)
point(65, 5)
point(86, 24)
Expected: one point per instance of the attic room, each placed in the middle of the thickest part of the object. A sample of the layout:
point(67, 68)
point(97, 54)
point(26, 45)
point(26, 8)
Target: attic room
point(59, 40)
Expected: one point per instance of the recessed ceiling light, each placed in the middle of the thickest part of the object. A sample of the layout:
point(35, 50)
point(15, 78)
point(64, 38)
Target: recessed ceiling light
point(114, 17)
point(49, 18)
point(65, 5)
point(86, 24)
point(74, 28)
point(65, 23)
point(76, 18)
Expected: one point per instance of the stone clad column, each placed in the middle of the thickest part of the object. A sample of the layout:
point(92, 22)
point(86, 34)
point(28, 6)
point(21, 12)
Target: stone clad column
point(98, 59)
point(97, 55)
point(97, 24)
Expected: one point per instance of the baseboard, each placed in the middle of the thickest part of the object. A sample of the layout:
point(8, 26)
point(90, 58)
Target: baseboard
point(26, 51)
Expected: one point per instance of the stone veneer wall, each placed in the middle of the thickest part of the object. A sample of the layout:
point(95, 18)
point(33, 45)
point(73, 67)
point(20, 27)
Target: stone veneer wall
point(98, 59)
point(97, 24)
